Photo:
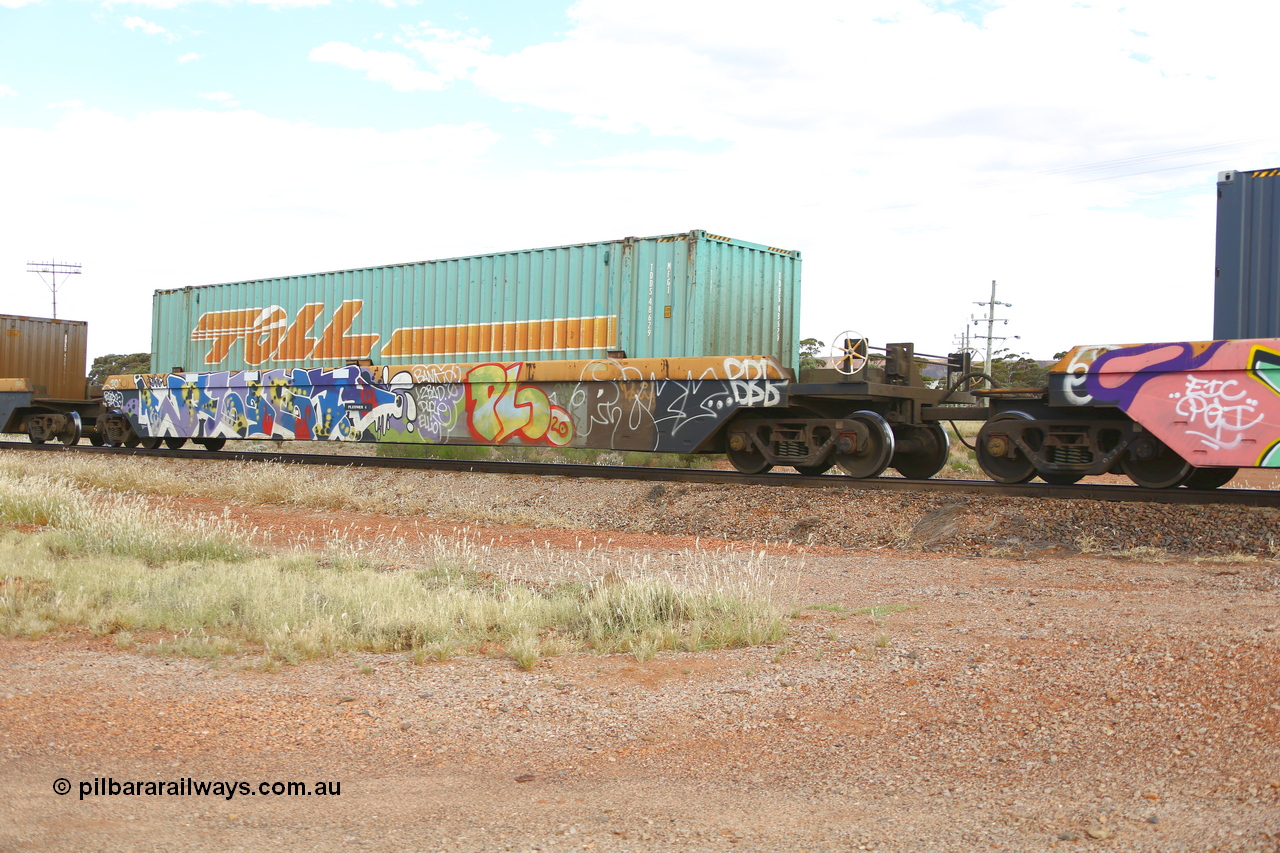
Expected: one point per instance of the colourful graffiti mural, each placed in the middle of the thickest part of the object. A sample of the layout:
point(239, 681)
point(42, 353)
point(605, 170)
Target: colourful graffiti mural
point(665, 404)
point(1215, 402)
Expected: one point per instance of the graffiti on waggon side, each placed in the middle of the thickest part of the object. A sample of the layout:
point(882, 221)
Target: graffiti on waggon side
point(643, 405)
point(1217, 401)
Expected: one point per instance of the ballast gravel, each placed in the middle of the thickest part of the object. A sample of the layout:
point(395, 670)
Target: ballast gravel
point(959, 675)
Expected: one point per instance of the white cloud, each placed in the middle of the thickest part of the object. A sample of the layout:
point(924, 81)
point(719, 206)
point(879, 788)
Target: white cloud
point(151, 28)
point(927, 154)
point(450, 54)
point(395, 69)
point(7, 91)
point(218, 196)
point(224, 98)
point(277, 4)
point(911, 154)
point(188, 57)
point(16, 4)
point(545, 135)
point(453, 54)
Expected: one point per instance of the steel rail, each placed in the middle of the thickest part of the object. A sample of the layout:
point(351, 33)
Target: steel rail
point(1078, 491)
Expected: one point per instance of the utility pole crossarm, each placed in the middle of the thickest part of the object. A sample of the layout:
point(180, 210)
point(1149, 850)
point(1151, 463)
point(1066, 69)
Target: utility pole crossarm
point(991, 321)
point(53, 269)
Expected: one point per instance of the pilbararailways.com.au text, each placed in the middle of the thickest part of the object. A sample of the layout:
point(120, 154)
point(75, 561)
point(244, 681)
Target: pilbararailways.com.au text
point(188, 787)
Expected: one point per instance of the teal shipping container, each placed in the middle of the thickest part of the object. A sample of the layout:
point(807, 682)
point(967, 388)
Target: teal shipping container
point(683, 295)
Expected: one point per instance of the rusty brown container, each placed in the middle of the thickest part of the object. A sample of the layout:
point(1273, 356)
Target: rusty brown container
point(49, 354)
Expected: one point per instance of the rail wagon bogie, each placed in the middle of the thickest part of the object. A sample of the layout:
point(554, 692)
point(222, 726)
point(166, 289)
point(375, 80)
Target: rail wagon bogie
point(1164, 414)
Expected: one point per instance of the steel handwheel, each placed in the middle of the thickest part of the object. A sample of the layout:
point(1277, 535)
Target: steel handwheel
point(1152, 464)
point(930, 458)
point(999, 456)
point(868, 454)
point(1210, 478)
point(850, 352)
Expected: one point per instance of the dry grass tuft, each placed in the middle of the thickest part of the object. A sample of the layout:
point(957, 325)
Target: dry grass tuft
point(117, 567)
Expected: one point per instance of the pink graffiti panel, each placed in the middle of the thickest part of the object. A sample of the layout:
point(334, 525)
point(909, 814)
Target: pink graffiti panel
point(1215, 403)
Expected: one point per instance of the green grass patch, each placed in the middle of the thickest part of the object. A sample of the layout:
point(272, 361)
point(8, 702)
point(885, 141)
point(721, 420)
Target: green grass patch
point(831, 608)
point(881, 612)
point(115, 566)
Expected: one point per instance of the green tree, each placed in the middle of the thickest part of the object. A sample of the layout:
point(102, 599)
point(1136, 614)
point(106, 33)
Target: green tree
point(1017, 370)
point(811, 354)
point(115, 364)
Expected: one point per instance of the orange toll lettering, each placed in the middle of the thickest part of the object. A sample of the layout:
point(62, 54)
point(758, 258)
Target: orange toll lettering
point(297, 344)
point(336, 343)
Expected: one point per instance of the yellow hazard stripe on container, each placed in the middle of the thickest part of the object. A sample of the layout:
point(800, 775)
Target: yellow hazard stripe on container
point(1265, 173)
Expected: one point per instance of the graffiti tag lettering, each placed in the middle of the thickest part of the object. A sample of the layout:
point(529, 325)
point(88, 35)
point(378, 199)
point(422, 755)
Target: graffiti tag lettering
point(1221, 407)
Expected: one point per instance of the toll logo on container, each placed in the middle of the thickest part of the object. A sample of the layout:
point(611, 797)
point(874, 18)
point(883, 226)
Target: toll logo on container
point(269, 335)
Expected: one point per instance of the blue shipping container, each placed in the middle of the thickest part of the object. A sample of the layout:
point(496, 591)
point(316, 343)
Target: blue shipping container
point(1246, 298)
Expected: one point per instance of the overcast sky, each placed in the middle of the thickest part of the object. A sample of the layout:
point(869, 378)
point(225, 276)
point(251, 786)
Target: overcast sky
point(912, 150)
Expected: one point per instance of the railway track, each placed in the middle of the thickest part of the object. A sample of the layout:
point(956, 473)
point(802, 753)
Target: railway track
point(1078, 491)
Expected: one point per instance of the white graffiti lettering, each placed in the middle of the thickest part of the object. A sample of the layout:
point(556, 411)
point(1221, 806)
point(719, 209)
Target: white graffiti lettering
point(1078, 373)
point(1220, 408)
point(755, 393)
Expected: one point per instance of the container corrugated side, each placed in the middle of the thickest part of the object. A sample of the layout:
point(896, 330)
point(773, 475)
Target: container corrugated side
point(681, 295)
point(49, 353)
point(1246, 299)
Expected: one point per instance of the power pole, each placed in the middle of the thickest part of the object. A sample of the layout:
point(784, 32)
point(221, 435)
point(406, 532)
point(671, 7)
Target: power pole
point(991, 321)
point(53, 269)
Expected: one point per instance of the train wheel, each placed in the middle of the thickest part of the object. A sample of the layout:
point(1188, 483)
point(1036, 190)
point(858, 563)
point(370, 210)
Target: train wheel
point(999, 457)
point(749, 461)
point(1061, 479)
point(132, 440)
point(211, 444)
point(70, 435)
point(1154, 465)
point(149, 443)
point(872, 456)
point(101, 436)
point(1210, 478)
point(34, 440)
point(814, 470)
point(935, 448)
point(174, 443)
